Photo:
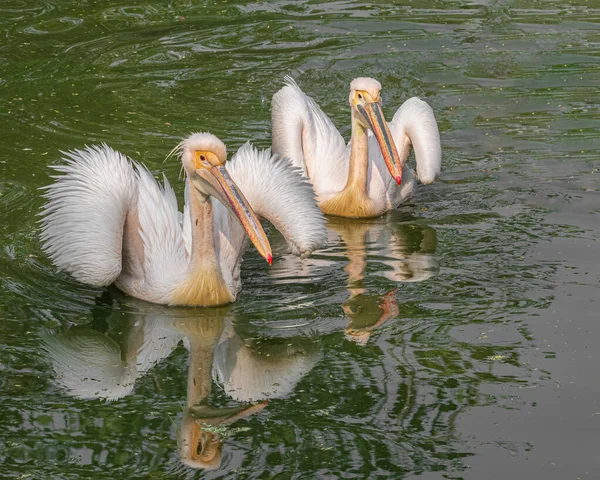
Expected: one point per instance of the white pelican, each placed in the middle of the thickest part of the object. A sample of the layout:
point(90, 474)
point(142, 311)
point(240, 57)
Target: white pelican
point(352, 181)
point(108, 221)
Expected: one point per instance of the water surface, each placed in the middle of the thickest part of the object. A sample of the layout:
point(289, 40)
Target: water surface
point(452, 338)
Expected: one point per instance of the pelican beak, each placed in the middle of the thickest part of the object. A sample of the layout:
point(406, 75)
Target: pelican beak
point(220, 185)
point(373, 114)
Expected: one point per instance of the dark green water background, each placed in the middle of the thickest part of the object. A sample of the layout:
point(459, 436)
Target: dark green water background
point(488, 365)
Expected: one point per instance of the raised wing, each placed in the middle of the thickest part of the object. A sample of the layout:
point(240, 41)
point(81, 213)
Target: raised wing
point(86, 208)
point(276, 191)
point(165, 259)
point(303, 133)
point(107, 220)
point(414, 124)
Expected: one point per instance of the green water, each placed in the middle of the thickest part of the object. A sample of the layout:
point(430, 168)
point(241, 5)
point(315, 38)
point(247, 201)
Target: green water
point(454, 338)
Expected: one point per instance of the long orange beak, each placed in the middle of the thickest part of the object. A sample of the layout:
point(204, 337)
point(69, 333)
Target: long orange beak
point(227, 192)
point(374, 116)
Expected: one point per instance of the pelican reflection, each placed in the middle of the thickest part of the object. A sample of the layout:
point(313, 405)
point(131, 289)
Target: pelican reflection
point(406, 252)
point(94, 364)
point(399, 253)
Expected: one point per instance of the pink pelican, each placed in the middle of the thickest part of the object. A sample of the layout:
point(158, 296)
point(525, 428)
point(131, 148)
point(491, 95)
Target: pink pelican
point(354, 180)
point(108, 221)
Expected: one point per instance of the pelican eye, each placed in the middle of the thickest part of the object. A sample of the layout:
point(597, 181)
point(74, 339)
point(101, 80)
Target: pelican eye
point(360, 95)
point(203, 158)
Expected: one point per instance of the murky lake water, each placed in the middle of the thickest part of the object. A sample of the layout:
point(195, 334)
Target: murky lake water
point(453, 338)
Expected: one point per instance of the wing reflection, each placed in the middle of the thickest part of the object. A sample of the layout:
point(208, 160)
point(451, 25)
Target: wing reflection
point(92, 364)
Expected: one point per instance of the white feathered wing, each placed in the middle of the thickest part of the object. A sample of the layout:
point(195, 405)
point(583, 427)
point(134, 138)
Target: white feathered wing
point(305, 134)
point(107, 220)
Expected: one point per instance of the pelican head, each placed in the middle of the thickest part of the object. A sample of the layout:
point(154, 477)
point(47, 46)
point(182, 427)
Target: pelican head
point(365, 101)
point(203, 157)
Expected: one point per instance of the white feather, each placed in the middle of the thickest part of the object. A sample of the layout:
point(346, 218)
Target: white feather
point(165, 258)
point(301, 131)
point(82, 225)
point(107, 219)
point(415, 120)
point(84, 217)
point(276, 191)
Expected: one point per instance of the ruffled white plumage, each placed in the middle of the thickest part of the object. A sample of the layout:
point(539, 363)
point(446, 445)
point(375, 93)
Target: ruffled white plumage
point(278, 193)
point(107, 220)
point(415, 122)
point(304, 133)
point(301, 131)
point(165, 257)
point(84, 223)
point(97, 188)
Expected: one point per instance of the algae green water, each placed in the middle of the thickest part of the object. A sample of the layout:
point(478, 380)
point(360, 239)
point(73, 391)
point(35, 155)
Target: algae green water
point(453, 338)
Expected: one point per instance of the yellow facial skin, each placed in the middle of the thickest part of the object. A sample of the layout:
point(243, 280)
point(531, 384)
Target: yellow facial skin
point(363, 97)
point(204, 159)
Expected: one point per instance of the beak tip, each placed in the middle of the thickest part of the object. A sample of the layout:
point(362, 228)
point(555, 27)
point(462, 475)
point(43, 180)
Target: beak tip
point(270, 259)
point(398, 179)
